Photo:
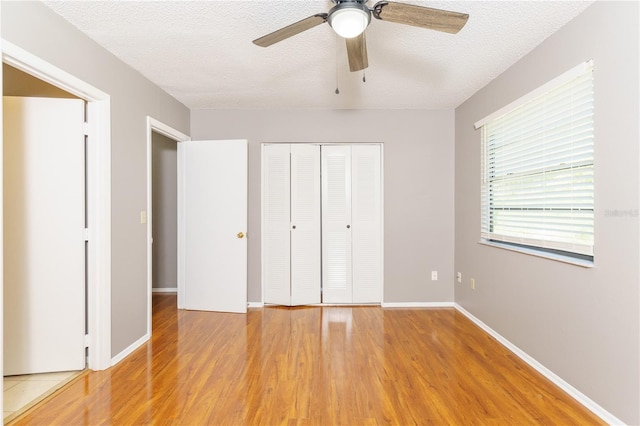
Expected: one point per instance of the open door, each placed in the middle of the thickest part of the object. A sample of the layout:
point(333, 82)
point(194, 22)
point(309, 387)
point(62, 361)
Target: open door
point(212, 225)
point(44, 245)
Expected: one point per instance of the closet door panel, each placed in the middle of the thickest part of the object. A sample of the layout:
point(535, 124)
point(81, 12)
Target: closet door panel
point(305, 224)
point(276, 244)
point(366, 213)
point(336, 224)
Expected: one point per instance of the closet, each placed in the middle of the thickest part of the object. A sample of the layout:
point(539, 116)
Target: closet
point(321, 223)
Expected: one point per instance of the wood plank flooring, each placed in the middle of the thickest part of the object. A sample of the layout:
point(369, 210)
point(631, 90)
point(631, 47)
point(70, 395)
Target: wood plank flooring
point(313, 366)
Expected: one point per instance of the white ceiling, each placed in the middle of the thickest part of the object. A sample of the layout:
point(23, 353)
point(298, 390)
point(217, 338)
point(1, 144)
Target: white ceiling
point(201, 52)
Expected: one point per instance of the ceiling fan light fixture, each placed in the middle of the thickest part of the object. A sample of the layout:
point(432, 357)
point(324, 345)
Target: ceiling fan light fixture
point(349, 19)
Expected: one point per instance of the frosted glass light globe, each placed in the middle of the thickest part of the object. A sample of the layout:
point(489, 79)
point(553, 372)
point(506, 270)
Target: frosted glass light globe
point(349, 22)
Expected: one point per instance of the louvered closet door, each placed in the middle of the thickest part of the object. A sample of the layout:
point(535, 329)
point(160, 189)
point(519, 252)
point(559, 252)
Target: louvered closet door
point(276, 223)
point(336, 224)
point(305, 224)
point(366, 213)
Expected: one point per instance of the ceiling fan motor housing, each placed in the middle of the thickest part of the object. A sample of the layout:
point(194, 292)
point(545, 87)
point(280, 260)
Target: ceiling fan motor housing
point(349, 18)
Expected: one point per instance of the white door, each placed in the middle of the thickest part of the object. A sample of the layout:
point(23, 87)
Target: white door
point(291, 224)
point(212, 225)
point(276, 223)
point(336, 224)
point(44, 247)
point(305, 224)
point(366, 226)
point(352, 223)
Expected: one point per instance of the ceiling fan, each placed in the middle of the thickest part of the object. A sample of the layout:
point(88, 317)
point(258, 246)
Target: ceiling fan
point(349, 19)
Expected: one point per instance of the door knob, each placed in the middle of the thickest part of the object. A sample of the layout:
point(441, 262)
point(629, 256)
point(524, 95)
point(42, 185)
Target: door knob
point(240, 235)
point(348, 226)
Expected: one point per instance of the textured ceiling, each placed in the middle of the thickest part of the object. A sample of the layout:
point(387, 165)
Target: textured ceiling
point(201, 53)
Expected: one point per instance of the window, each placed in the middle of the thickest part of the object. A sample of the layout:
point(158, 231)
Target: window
point(537, 168)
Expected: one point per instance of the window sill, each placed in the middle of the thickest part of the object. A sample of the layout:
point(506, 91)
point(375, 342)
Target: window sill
point(533, 252)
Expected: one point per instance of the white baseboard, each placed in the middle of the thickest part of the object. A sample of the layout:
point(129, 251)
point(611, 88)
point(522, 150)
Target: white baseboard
point(418, 305)
point(255, 305)
point(165, 290)
point(129, 350)
point(557, 380)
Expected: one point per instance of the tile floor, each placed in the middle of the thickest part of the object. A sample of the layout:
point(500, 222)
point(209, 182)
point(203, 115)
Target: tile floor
point(21, 392)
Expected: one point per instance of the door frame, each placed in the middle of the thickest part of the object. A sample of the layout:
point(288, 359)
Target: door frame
point(157, 126)
point(98, 195)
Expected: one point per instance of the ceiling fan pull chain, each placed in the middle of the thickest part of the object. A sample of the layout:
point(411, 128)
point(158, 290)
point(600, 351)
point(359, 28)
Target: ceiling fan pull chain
point(337, 92)
point(364, 77)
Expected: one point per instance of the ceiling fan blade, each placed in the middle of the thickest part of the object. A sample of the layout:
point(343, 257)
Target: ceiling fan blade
point(357, 53)
point(419, 16)
point(291, 30)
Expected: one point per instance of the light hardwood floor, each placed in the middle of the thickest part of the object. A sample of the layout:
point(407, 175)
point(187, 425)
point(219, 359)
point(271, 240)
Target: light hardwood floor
point(313, 366)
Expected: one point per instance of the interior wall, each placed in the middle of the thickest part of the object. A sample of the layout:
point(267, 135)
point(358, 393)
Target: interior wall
point(164, 158)
point(418, 184)
point(38, 30)
point(581, 323)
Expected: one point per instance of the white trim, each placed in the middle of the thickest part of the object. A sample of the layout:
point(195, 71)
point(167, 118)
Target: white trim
point(157, 126)
point(410, 305)
point(1, 227)
point(130, 349)
point(99, 194)
point(382, 226)
point(557, 380)
point(255, 304)
point(181, 229)
point(262, 232)
point(561, 79)
point(165, 290)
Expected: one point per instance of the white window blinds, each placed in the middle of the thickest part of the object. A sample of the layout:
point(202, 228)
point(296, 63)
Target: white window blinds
point(537, 168)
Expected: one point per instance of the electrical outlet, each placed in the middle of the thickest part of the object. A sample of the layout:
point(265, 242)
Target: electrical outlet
point(459, 277)
point(434, 275)
point(473, 284)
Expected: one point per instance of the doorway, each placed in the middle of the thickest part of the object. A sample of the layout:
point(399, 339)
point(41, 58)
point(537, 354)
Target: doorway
point(162, 208)
point(164, 205)
point(44, 185)
point(98, 196)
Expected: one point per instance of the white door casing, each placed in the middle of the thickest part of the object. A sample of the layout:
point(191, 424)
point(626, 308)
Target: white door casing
point(212, 225)
point(44, 256)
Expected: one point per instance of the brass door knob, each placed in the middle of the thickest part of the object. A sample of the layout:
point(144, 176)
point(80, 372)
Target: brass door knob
point(240, 235)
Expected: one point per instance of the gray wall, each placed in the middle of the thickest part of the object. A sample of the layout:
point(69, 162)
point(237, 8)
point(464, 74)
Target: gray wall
point(165, 211)
point(35, 28)
point(583, 324)
point(418, 187)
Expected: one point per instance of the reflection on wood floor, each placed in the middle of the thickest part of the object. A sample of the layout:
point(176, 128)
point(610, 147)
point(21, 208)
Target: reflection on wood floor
point(313, 365)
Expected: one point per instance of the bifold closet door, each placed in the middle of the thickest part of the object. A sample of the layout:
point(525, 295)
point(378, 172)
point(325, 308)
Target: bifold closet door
point(366, 230)
point(336, 224)
point(276, 223)
point(305, 224)
point(351, 224)
point(291, 224)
